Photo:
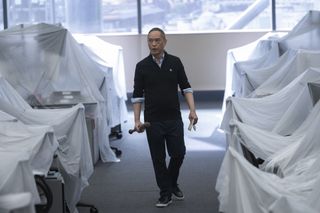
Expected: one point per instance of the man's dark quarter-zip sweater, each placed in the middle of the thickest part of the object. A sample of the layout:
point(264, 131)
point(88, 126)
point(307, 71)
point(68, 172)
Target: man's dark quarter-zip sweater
point(159, 87)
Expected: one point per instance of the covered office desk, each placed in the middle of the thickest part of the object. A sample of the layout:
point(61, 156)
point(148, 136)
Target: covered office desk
point(282, 112)
point(265, 51)
point(18, 166)
point(68, 99)
point(69, 126)
point(288, 179)
point(25, 151)
point(38, 143)
point(281, 127)
point(46, 59)
point(109, 59)
point(74, 150)
point(291, 65)
point(17, 202)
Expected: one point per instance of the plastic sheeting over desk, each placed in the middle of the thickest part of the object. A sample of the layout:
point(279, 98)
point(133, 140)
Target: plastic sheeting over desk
point(271, 120)
point(288, 179)
point(304, 35)
point(69, 126)
point(257, 51)
point(109, 58)
point(24, 151)
point(264, 53)
point(281, 112)
point(249, 190)
point(17, 178)
point(41, 59)
point(17, 202)
point(37, 142)
point(292, 64)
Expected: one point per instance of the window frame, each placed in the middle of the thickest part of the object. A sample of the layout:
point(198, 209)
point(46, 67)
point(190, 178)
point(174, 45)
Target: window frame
point(139, 18)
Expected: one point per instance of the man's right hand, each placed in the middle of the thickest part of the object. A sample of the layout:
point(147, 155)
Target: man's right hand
point(139, 127)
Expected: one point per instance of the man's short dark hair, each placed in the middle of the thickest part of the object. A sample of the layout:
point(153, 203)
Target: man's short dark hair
point(159, 30)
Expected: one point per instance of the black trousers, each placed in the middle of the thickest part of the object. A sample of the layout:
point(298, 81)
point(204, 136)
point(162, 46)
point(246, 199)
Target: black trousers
point(166, 137)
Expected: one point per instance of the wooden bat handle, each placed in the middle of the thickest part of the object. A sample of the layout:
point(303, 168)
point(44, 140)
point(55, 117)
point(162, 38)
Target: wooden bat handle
point(132, 131)
point(145, 125)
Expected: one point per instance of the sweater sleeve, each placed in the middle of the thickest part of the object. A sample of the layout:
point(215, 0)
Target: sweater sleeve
point(138, 90)
point(182, 78)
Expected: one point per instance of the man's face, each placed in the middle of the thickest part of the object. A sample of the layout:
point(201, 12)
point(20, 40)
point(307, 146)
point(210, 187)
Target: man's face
point(156, 43)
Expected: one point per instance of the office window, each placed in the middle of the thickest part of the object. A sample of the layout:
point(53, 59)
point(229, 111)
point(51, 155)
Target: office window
point(205, 15)
point(289, 13)
point(29, 12)
point(119, 16)
point(83, 16)
point(36, 11)
point(1, 16)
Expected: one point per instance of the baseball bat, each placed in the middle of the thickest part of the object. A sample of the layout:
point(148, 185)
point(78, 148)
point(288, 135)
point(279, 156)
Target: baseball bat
point(143, 126)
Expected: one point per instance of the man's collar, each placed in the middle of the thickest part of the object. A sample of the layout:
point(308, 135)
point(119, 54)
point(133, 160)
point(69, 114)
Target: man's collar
point(161, 57)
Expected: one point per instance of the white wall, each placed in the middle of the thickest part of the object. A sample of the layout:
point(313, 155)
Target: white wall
point(203, 55)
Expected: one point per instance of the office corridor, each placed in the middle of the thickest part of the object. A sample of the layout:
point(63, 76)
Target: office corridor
point(129, 186)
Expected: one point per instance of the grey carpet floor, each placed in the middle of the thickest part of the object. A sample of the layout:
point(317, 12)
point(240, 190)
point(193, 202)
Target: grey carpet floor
point(129, 186)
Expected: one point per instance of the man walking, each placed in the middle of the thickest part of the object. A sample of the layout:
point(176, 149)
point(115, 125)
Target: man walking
point(156, 82)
